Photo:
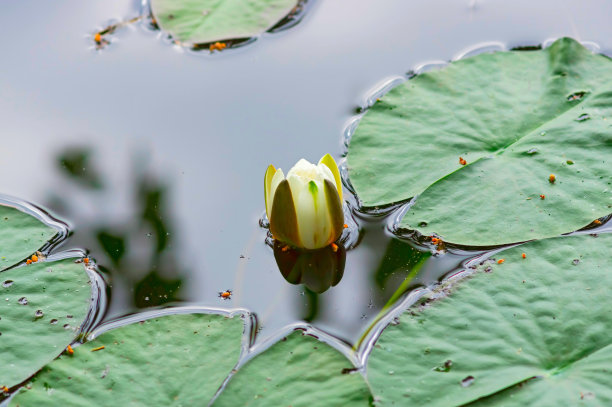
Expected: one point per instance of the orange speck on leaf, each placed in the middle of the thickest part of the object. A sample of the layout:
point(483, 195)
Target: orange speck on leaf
point(524, 255)
point(542, 196)
point(500, 261)
point(98, 348)
point(69, 350)
point(462, 161)
point(597, 222)
point(552, 178)
point(28, 261)
point(4, 389)
point(334, 247)
point(98, 38)
point(34, 258)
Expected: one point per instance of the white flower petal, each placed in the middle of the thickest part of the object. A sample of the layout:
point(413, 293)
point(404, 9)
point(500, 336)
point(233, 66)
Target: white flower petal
point(326, 174)
point(313, 216)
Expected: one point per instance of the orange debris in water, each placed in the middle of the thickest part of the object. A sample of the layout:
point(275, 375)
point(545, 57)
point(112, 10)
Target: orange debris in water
point(462, 161)
point(217, 46)
point(34, 258)
point(345, 226)
point(28, 261)
point(4, 389)
point(226, 295)
point(334, 247)
point(98, 38)
point(69, 350)
point(98, 348)
point(500, 261)
point(552, 178)
point(86, 260)
point(542, 197)
point(435, 240)
point(524, 255)
point(597, 222)
point(284, 248)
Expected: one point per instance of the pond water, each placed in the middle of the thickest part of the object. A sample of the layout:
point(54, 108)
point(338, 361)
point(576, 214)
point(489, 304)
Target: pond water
point(155, 155)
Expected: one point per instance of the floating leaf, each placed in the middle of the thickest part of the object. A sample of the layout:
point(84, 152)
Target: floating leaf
point(20, 235)
point(514, 118)
point(543, 319)
point(176, 360)
point(206, 21)
point(297, 371)
point(42, 307)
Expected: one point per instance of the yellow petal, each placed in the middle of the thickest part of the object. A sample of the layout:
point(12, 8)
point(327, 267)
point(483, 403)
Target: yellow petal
point(329, 161)
point(276, 180)
point(283, 221)
point(267, 184)
point(336, 214)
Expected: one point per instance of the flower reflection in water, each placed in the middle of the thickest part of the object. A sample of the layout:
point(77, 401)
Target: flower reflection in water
point(317, 270)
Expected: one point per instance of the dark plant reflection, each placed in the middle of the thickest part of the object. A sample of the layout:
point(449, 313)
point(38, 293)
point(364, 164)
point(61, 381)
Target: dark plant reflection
point(317, 270)
point(139, 251)
point(75, 163)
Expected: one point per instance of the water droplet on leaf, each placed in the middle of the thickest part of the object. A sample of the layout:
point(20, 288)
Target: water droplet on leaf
point(583, 117)
point(468, 381)
point(445, 367)
point(576, 96)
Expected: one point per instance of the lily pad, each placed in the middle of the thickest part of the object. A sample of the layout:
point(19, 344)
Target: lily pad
point(42, 307)
point(297, 371)
point(176, 360)
point(20, 235)
point(206, 21)
point(543, 320)
point(478, 140)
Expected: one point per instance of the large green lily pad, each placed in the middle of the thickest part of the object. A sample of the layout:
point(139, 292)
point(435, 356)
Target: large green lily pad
point(544, 319)
point(20, 235)
point(42, 307)
point(176, 360)
point(297, 371)
point(515, 118)
point(205, 21)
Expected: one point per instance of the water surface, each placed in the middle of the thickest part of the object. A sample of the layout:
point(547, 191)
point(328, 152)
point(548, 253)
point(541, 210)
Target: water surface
point(156, 155)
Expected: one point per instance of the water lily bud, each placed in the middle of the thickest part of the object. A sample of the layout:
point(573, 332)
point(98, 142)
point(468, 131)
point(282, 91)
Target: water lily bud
point(305, 208)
